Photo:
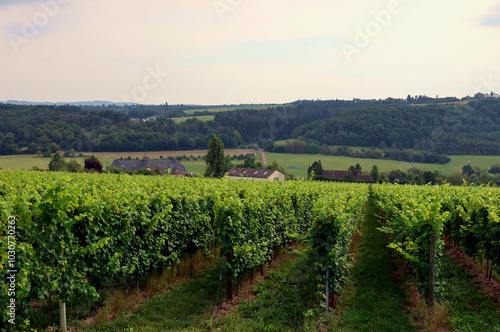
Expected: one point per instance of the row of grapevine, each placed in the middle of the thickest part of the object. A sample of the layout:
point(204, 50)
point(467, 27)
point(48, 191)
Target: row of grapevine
point(336, 217)
point(253, 226)
point(413, 214)
point(474, 224)
point(77, 233)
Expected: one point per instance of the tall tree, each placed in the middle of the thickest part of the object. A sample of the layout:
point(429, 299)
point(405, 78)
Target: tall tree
point(374, 174)
point(215, 158)
point(57, 163)
point(355, 170)
point(468, 170)
point(316, 167)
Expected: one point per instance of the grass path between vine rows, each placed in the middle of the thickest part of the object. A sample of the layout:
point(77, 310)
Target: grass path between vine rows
point(373, 299)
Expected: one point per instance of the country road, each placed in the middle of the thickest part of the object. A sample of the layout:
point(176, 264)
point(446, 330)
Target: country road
point(263, 159)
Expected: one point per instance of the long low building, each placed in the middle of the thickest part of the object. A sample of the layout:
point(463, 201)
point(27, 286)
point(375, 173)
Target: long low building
point(165, 166)
point(238, 173)
point(342, 174)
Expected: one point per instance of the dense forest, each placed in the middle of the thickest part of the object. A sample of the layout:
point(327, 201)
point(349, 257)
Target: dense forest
point(473, 128)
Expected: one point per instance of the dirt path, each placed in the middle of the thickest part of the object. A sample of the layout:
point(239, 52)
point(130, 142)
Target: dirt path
point(373, 299)
point(471, 162)
point(263, 159)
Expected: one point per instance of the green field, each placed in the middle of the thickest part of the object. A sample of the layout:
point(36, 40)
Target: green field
point(203, 118)
point(27, 162)
point(232, 108)
point(303, 161)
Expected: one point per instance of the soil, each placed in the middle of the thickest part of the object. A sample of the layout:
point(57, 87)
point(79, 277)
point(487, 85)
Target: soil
point(491, 288)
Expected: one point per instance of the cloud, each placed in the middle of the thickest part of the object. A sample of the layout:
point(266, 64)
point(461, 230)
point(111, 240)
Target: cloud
point(311, 49)
point(6, 3)
point(493, 20)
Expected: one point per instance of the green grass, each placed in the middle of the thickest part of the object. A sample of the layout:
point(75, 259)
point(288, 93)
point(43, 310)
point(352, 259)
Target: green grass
point(469, 309)
point(342, 163)
point(373, 299)
point(187, 306)
point(232, 108)
point(481, 161)
point(203, 118)
point(27, 162)
point(283, 299)
point(198, 166)
point(303, 161)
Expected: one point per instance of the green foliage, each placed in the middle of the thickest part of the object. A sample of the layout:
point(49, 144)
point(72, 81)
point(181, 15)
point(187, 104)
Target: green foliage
point(216, 161)
point(57, 163)
point(355, 170)
point(251, 162)
point(468, 215)
point(470, 309)
point(412, 215)
point(495, 169)
point(373, 298)
point(335, 219)
point(144, 171)
point(114, 170)
point(81, 232)
point(468, 170)
point(74, 166)
point(374, 174)
point(316, 167)
point(474, 224)
point(283, 301)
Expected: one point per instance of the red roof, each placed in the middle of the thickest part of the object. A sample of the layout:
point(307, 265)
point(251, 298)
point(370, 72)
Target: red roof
point(334, 174)
point(341, 174)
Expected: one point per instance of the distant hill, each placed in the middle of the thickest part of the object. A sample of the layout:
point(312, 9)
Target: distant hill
point(78, 103)
point(433, 127)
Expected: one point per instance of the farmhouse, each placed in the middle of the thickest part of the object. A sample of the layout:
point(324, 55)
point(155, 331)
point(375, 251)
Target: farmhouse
point(255, 174)
point(165, 166)
point(341, 174)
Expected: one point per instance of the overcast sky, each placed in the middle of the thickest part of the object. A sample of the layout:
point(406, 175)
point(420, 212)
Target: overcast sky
point(246, 51)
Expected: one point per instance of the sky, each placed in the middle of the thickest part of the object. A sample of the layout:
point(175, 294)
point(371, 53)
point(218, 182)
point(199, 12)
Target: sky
point(215, 52)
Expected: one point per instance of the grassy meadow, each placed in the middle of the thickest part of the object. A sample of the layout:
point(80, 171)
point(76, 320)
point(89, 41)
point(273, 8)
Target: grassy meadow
point(303, 161)
point(287, 160)
point(203, 118)
point(193, 166)
point(235, 107)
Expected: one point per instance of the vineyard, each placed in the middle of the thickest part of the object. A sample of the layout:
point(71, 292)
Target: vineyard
point(71, 235)
point(467, 216)
point(75, 234)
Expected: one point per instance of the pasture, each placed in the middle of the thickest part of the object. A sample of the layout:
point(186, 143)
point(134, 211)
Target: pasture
point(234, 107)
point(302, 161)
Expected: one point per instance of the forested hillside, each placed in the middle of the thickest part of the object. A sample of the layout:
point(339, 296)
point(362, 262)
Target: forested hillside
point(445, 129)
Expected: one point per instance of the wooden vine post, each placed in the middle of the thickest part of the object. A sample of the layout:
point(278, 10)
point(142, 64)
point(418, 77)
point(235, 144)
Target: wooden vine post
point(62, 315)
point(327, 275)
point(432, 270)
point(229, 259)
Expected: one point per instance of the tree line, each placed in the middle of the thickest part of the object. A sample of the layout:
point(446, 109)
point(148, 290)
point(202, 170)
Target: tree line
point(396, 124)
point(470, 175)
